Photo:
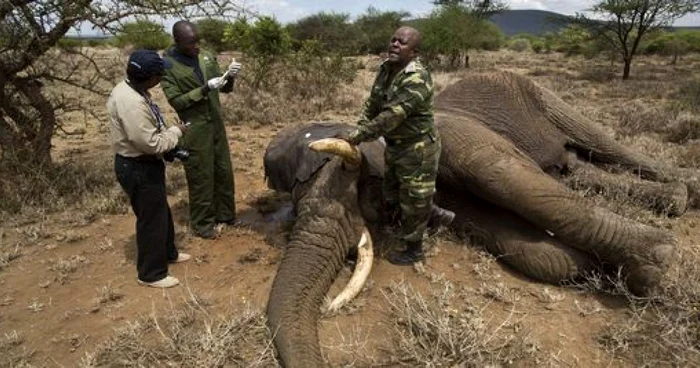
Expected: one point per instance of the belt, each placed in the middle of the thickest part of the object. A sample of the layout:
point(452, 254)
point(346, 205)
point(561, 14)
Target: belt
point(142, 158)
point(410, 140)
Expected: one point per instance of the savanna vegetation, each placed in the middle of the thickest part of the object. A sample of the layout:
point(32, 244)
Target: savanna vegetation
point(63, 216)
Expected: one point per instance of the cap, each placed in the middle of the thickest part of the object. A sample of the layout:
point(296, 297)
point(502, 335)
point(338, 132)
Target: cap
point(146, 63)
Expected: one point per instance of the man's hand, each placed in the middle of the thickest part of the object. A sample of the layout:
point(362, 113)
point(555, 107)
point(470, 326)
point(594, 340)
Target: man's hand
point(216, 83)
point(346, 136)
point(183, 126)
point(234, 68)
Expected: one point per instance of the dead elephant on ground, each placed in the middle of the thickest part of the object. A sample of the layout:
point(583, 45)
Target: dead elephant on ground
point(506, 143)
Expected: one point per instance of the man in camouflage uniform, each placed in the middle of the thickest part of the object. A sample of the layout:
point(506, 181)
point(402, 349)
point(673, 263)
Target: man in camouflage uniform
point(400, 108)
point(192, 88)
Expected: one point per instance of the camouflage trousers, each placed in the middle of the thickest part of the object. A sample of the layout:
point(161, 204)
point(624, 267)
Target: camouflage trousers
point(409, 184)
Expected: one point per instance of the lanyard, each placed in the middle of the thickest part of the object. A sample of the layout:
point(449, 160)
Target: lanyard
point(155, 110)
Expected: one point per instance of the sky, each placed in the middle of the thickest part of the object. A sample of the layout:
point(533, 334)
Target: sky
point(290, 10)
point(287, 11)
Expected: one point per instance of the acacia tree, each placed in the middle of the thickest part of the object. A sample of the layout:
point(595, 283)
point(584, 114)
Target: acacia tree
point(622, 24)
point(36, 78)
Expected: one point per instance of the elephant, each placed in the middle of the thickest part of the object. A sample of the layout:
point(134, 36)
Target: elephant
point(506, 144)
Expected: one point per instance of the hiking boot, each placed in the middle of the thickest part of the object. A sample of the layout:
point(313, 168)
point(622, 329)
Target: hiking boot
point(439, 217)
point(208, 233)
point(412, 254)
point(166, 282)
point(181, 257)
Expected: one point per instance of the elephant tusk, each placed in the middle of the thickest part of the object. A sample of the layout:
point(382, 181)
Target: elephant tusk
point(365, 257)
point(338, 147)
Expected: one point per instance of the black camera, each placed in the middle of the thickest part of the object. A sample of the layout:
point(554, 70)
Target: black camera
point(176, 153)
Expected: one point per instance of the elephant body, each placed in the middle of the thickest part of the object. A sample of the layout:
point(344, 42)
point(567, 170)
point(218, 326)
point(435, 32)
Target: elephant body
point(506, 142)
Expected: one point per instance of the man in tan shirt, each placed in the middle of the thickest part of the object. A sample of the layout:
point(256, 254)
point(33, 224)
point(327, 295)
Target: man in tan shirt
point(140, 138)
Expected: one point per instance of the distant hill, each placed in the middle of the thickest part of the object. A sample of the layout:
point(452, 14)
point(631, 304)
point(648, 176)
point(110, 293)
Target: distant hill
point(534, 22)
point(537, 22)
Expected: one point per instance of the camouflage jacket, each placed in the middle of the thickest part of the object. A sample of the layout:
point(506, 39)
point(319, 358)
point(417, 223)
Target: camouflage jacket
point(400, 110)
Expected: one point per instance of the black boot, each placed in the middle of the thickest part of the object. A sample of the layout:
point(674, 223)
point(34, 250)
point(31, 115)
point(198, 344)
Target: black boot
point(439, 217)
point(412, 254)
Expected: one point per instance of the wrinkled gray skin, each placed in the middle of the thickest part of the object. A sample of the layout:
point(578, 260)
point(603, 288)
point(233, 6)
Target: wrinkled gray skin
point(505, 144)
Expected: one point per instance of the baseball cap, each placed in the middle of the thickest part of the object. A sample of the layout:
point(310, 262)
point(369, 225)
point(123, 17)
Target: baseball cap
point(146, 63)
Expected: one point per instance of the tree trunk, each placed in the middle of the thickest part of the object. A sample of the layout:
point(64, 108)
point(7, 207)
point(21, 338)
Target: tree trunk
point(626, 70)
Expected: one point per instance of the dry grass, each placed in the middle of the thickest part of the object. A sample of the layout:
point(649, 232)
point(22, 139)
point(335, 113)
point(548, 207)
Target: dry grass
point(188, 336)
point(664, 330)
point(13, 353)
point(447, 328)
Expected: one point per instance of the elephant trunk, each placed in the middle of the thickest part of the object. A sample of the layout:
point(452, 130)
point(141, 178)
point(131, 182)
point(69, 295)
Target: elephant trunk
point(328, 225)
point(492, 168)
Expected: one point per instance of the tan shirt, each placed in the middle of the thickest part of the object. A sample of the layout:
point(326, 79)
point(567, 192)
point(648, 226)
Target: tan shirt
point(134, 126)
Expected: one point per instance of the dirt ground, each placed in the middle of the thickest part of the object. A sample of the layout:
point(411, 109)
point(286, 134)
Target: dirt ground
point(75, 283)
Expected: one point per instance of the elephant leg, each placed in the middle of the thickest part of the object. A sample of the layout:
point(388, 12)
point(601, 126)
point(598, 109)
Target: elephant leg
point(591, 141)
point(669, 198)
point(480, 161)
point(522, 246)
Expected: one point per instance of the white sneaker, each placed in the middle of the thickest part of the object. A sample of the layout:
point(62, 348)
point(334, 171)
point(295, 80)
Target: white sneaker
point(182, 257)
point(166, 282)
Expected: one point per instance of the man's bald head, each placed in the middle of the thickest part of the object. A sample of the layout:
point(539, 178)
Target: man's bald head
point(403, 47)
point(416, 38)
point(186, 38)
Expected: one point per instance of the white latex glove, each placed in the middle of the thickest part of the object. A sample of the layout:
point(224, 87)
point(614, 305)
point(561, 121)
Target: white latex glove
point(216, 83)
point(234, 68)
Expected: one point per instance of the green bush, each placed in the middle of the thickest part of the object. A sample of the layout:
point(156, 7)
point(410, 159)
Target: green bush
point(333, 31)
point(378, 27)
point(143, 34)
point(211, 33)
point(519, 45)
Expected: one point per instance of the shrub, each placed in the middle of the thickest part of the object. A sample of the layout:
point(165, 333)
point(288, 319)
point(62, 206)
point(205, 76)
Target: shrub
point(519, 45)
point(143, 34)
point(685, 127)
point(688, 95)
point(211, 32)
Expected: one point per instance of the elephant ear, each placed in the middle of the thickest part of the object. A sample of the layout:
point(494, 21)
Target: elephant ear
point(289, 160)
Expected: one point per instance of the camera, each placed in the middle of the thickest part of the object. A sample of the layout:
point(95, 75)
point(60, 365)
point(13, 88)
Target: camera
point(176, 153)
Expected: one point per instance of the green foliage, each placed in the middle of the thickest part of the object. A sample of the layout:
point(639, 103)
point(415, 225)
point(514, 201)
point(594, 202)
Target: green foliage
point(314, 69)
point(519, 45)
point(333, 31)
point(453, 30)
point(489, 37)
point(211, 33)
point(572, 40)
point(265, 42)
point(378, 27)
point(237, 34)
point(143, 34)
point(622, 26)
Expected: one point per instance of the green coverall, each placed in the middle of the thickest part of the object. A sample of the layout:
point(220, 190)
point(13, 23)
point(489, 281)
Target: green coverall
point(209, 170)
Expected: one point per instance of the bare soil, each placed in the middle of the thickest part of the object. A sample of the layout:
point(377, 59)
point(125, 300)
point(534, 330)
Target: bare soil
point(73, 284)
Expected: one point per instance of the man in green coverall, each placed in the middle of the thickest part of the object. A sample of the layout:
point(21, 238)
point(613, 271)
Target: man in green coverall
point(400, 109)
point(192, 87)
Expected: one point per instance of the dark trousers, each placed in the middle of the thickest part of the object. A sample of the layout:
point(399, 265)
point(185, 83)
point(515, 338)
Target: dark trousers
point(143, 180)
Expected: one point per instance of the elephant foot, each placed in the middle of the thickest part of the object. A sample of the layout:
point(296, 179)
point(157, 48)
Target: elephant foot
point(646, 270)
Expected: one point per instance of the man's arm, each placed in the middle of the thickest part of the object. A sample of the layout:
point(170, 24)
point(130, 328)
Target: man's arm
point(412, 92)
point(178, 99)
point(140, 128)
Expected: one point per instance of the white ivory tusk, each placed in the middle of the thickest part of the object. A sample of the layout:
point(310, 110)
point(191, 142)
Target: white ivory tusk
point(365, 257)
point(338, 147)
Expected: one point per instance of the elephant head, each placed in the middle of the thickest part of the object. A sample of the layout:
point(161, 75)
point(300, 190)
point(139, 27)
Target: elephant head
point(334, 198)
